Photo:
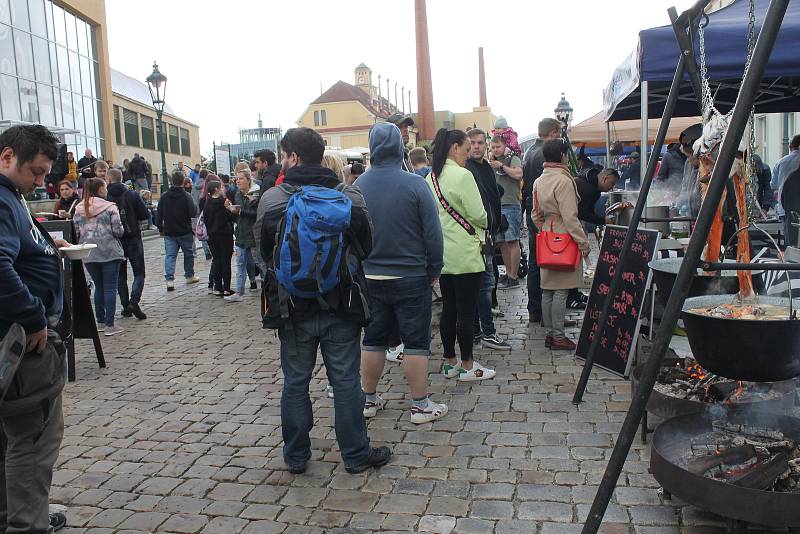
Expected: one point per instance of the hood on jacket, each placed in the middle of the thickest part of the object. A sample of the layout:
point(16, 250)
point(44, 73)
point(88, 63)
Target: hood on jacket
point(116, 189)
point(385, 145)
point(309, 174)
point(97, 206)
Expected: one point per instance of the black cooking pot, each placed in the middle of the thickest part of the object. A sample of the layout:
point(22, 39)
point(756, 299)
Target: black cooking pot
point(742, 349)
point(724, 283)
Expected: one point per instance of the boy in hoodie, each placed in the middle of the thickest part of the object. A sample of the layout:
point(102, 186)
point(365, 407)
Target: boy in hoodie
point(332, 322)
point(31, 305)
point(132, 210)
point(406, 259)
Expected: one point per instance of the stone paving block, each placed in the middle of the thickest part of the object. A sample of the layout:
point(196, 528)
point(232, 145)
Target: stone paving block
point(308, 497)
point(437, 524)
point(328, 519)
point(349, 501)
point(449, 506)
point(493, 491)
point(515, 526)
point(184, 523)
point(451, 488)
point(473, 526)
point(147, 521)
point(400, 522)
point(545, 511)
point(402, 504)
point(414, 487)
point(543, 492)
point(653, 515)
point(492, 509)
point(225, 525)
point(109, 518)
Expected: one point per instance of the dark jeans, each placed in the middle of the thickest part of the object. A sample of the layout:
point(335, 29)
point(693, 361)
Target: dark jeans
point(459, 298)
point(171, 246)
point(484, 322)
point(338, 340)
point(134, 252)
point(29, 445)
point(221, 246)
point(105, 276)
point(402, 305)
point(534, 277)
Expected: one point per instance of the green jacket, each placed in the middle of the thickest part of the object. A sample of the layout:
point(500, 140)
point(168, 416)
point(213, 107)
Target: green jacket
point(462, 252)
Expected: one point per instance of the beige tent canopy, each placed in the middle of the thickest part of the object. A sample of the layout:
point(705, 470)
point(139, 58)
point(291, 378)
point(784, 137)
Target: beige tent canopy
point(592, 131)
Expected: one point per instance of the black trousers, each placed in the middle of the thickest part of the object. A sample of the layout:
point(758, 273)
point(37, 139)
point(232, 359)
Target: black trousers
point(459, 300)
point(221, 246)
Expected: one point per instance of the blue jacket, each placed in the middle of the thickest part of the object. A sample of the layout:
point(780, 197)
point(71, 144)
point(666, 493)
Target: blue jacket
point(31, 286)
point(407, 235)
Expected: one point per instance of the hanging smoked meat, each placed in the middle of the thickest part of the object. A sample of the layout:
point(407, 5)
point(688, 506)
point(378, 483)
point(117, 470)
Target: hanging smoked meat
point(743, 245)
point(714, 239)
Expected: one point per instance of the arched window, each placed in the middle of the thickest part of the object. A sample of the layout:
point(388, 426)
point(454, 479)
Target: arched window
point(316, 118)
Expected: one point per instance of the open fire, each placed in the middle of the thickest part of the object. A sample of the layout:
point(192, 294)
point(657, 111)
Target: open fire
point(688, 380)
point(745, 455)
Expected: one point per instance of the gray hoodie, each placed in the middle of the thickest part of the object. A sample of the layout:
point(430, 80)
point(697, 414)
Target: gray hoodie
point(407, 235)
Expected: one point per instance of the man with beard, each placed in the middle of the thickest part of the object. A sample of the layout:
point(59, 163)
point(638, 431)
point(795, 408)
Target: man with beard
point(267, 168)
point(31, 306)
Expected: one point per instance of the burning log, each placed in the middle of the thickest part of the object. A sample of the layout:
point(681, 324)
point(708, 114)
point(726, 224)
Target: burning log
point(755, 431)
point(762, 475)
point(699, 465)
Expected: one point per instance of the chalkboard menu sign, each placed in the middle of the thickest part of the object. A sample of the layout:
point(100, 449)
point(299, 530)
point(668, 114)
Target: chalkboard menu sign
point(618, 335)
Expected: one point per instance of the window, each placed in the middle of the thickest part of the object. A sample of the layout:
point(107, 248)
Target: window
point(24, 50)
point(9, 97)
point(185, 148)
point(324, 118)
point(131, 127)
point(117, 129)
point(316, 118)
point(41, 60)
point(148, 132)
point(174, 141)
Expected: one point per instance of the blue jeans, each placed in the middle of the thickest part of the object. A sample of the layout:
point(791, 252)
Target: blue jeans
point(534, 277)
point(134, 253)
point(171, 246)
point(399, 306)
point(105, 274)
point(246, 265)
point(484, 322)
point(338, 340)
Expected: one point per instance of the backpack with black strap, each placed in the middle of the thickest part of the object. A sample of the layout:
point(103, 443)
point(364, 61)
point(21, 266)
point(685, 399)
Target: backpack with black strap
point(312, 257)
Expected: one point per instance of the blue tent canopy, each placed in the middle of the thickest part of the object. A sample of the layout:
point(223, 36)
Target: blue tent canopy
point(656, 57)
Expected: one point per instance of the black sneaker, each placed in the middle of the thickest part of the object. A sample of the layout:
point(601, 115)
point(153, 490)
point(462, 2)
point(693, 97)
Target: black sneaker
point(298, 470)
point(493, 341)
point(126, 311)
point(377, 457)
point(253, 285)
point(136, 311)
point(575, 304)
point(58, 520)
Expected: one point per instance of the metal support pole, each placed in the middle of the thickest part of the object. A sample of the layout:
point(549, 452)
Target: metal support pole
point(687, 49)
point(608, 144)
point(645, 124)
point(641, 202)
point(162, 141)
point(719, 177)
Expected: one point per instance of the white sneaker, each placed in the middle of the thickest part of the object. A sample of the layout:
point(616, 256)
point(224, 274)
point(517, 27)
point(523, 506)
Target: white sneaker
point(433, 412)
point(371, 408)
point(111, 330)
point(101, 327)
point(236, 297)
point(478, 372)
point(450, 371)
point(329, 390)
point(170, 285)
point(192, 280)
point(395, 354)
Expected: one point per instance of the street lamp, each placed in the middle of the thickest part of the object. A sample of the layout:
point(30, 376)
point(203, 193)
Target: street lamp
point(157, 83)
point(564, 112)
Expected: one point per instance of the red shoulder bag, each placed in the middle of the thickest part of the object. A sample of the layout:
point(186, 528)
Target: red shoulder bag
point(557, 252)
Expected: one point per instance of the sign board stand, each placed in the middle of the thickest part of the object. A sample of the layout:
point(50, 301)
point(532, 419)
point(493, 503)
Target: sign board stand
point(619, 334)
point(76, 294)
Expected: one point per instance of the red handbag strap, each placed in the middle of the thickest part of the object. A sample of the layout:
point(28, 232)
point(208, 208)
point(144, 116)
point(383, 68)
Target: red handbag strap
point(465, 224)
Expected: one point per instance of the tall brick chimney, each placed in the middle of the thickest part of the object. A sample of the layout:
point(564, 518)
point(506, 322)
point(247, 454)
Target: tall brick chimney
point(425, 121)
point(481, 79)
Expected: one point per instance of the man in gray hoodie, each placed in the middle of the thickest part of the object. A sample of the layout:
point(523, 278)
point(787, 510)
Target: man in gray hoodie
point(406, 259)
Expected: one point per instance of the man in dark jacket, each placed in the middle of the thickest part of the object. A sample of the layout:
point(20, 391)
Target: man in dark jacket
point(267, 168)
point(532, 167)
point(590, 184)
point(31, 306)
point(406, 258)
point(331, 322)
point(86, 167)
point(672, 163)
point(174, 221)
point(487, 185)
point(137, 172)
point(131, 210)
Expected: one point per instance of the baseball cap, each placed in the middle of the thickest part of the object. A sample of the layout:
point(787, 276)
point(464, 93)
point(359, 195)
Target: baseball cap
point(399, 119)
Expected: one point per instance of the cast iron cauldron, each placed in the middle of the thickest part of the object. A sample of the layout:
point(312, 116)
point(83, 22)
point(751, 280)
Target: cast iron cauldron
point(666, 270)
point(743, 349)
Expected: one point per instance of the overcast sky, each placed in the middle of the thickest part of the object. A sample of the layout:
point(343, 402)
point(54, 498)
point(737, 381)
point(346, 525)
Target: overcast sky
point(229, 61)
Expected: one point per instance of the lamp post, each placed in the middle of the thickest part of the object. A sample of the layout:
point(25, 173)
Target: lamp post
point(564, 113)
point(157, 83)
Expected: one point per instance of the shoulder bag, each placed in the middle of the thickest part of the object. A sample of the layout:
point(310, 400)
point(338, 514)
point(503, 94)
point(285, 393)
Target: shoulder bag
point(487, 248)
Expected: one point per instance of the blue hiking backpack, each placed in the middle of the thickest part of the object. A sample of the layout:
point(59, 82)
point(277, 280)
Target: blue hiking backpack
point(311, 240)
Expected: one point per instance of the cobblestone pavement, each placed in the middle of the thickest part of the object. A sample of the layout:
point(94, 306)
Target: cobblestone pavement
point(181, 433)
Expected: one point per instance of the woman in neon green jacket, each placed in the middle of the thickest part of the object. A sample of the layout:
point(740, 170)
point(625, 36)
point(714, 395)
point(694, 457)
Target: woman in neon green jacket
point(464, 224)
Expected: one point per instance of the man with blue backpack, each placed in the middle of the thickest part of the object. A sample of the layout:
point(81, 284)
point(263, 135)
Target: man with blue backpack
point(314, 233)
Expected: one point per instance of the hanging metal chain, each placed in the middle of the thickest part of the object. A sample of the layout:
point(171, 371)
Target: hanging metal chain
point(751, 169)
